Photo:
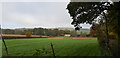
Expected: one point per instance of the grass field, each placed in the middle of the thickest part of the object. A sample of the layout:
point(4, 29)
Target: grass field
point(63, 47)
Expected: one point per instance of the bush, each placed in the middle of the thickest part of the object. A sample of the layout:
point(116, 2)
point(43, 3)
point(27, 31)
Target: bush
point(28, 34)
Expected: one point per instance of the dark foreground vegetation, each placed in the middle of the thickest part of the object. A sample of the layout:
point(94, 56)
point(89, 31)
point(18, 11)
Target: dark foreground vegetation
point(104, 18)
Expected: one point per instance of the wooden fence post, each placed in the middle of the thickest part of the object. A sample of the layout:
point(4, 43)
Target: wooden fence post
point(5, 47)
point(53, 50)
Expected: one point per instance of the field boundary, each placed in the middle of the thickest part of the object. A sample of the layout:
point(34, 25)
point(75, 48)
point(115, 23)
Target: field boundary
point(13, 36)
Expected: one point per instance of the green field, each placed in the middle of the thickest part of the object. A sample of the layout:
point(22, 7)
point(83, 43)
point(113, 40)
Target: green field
point(62, 47)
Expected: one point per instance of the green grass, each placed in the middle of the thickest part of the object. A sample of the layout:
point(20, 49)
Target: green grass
point(62, 47)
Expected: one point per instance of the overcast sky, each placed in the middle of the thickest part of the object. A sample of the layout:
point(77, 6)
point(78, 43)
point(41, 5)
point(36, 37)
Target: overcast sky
point(36, 14)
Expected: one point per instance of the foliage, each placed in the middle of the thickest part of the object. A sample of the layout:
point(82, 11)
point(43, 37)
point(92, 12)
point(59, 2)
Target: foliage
point(8, 31)
point(73, 33)
point(94, 29)
point(94, 13)
point(114, 27)
point(86, 12)
point(41, 52)
point(28, 34)
point(114, 16)
point(39, 31)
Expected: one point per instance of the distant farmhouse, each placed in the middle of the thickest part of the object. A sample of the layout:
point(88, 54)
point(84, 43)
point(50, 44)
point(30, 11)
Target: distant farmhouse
point(67, 35)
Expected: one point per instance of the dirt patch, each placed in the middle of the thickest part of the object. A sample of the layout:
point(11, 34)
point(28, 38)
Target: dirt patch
point(14, 36)
point(82, 38)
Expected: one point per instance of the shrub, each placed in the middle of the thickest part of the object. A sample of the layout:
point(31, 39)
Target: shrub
point(28, 34)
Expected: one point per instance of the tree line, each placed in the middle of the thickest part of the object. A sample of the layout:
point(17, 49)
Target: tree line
point(40, 31)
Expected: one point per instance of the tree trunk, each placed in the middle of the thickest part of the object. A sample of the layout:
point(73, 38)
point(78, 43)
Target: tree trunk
point(106, 24)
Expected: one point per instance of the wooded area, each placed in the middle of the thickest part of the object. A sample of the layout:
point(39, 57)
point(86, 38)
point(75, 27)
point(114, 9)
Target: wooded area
point(46, 32)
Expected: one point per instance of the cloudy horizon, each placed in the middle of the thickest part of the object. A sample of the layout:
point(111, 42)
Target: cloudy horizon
point(36, 14)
